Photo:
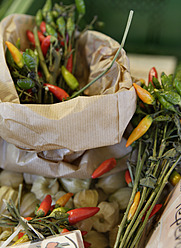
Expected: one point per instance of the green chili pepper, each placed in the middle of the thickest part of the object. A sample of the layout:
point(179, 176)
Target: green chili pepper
point(39, 17)
point(80, 5)
point(177, 84)
point(61, 25)
point(47, 7)
point(166, 82)
point(172, 97)
point(69, 78)
point(50, 19)
point(156, 82)
point(18, 43)
point(70, 26)
point(26, 83)
point(30, 61)
point(150, 88)
point(163, 118)
point(164, 102)
point(58, 8)
point(50, 30)
point(9, 58)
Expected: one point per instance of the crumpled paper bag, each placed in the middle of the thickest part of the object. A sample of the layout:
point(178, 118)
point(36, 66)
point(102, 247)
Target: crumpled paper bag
point(85, 122)
point(61, 162)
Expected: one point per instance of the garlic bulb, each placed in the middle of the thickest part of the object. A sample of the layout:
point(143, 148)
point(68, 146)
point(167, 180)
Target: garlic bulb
point(85, 225)
point(7, 193)
point(5, 235)
point(121, 196)
point(96, 239)
point(43, 186)
point(107, 217)
point(74, 185)
point(10, 178)
point(86, 198)
point(69, 204)
point(111, 183)
point(112, 236)
point(28, 204)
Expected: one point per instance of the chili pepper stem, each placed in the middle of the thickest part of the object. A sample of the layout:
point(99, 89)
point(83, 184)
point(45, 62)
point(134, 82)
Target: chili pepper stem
point(40, 54)
point(155, 195)
point(122, 244)
point(114, 59)
point(139, 166)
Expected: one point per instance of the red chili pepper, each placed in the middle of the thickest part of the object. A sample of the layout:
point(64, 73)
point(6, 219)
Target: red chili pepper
point(83, 233)
point(153, 212)
point(86, 244)
point(64, 199)
point(140, 130)
point(45, 44)
point(44, 206)
point(152, 73)
point(20, 234)
point(65, 230)
point(41, 36)
point(78, 214)
point(106, 166)
point(57, 91)
point(43, 27)
point(30, 36)
point(52, 207)
point(128, 178)
point(28, 218)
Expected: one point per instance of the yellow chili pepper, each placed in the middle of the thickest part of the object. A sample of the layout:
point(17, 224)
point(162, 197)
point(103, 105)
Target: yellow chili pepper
point(144, 95)
point(140, 130)
point(17, 56)
point(174, 178)
point(134, 206)
point(21, 240)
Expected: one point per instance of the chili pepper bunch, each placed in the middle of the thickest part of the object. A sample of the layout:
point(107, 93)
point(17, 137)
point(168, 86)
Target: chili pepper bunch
point(49, 219)
point(156, 138)
point(44, 72)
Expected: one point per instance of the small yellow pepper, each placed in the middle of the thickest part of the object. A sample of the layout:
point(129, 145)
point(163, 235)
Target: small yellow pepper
point(16, 54)
point(134, 206)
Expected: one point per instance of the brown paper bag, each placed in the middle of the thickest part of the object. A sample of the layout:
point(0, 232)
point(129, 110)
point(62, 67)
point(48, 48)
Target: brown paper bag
point(82, 123)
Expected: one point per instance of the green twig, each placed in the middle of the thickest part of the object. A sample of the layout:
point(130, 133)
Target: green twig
point(114, 59)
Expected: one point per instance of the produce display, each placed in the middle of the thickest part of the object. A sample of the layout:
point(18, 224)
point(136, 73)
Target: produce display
point(110, 210)
point(44, 72)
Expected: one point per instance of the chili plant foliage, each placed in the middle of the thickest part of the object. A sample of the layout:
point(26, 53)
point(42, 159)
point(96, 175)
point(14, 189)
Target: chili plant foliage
point(158, 146)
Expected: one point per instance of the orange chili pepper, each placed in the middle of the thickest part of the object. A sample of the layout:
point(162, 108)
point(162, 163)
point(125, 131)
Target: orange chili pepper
point(16, 54)
point(144, 95)
point(134, 206)
point(64, 199)
point(140, 130)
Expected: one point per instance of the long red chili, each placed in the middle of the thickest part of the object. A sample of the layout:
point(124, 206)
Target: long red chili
point(58, 92)
point(127, 177)
point(106, 166)
point(45, 44)
point(153, 212)
point(86, 244)
point(43, 27)
point(79, 214)
point(41, 36)
point(152, 73)
point(30, 36)
point(44, 206)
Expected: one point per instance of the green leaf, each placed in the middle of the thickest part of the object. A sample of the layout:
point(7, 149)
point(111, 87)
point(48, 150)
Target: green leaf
point(29, 61)
point(148, 181)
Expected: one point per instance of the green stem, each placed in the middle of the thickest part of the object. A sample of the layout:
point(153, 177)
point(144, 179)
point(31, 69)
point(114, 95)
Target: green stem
point(123, 244)
point(115, 57)
point(40, 55)
point(157, 194)
point(139, 166)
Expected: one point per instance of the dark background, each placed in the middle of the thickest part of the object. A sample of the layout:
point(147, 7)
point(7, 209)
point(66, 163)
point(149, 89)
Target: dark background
point(155, 27)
